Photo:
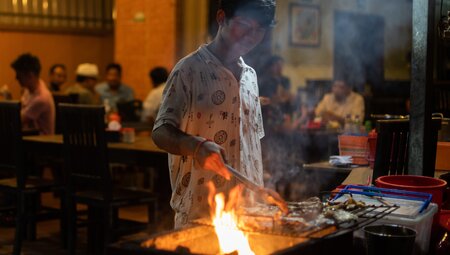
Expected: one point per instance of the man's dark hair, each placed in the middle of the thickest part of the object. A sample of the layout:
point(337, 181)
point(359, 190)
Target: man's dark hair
point(272, 60)
point(53, 67)
point(116, 66)
point(27, 63)
point(345, 78)
point(158, 75)
point(262, 11)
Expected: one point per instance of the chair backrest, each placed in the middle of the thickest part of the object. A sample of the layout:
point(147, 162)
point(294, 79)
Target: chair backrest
point(130, 111)
point(442, 99)
point(11, 148)
point(392, 148)
point(316, 89)
point(85, 148)
point(62, 98)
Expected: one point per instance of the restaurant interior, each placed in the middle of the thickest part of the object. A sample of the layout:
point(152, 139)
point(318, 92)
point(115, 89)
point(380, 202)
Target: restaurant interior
point(394, 55)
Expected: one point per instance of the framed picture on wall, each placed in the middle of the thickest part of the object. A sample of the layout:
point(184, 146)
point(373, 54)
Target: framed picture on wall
point(304, 25)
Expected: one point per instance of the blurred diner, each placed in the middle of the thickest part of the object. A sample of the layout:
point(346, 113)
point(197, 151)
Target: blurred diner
point(57, 75)
point(341, 102)
point(84, 87)
point(274, 91)
point(158, 77)
point(38, 108)
point(113, 90)
point(274, 85)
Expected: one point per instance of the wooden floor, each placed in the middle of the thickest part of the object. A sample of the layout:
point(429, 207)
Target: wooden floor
point(48, 234)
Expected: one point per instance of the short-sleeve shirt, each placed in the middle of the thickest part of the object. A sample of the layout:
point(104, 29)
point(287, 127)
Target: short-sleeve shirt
point(152, 102)
point(85, 96)
point(353, 105)
point(38, 109)
point(203, 98)
point(123, 94)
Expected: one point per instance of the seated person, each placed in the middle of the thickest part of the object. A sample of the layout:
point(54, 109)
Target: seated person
point(38, 107)
point(274, 85)
point(158, 76)
point(57, 77)
point(84, 87)
point(113, 90)
point(342, 101)
point(275, 95)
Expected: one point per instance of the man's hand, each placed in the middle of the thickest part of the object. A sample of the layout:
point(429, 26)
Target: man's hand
point(330, 116)
point(264, 100)
point(211, 156)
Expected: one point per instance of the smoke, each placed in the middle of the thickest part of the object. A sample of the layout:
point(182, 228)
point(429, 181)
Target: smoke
point(365, 41)
point(284, 156)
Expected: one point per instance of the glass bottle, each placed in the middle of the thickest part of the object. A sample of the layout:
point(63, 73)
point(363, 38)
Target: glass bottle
point(348, 125)
point(357, 125)
point(5, 92)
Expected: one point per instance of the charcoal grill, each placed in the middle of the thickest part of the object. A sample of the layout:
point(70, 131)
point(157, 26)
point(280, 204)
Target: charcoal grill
point(201, 239)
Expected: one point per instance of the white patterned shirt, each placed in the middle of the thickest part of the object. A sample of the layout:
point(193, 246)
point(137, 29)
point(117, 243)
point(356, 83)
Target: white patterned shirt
point(203, 98)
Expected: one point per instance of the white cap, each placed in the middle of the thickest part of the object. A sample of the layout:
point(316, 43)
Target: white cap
point(88, 70)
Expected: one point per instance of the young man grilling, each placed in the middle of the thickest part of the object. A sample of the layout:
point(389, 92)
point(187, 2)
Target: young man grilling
point(211, 115)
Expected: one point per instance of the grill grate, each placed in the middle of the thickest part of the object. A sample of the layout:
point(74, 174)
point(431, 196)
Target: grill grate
point(313, 230)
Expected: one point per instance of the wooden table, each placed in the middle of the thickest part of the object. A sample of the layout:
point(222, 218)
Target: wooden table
point(443, 156)
point(323, 177)
point(334, 176)
point(442, 159)
point(138, 126)
point(143, 152)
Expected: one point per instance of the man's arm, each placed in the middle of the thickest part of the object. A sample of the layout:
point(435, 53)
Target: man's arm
point(32, 111)
point(174, 141)
point(208, 154)
point(320, 108)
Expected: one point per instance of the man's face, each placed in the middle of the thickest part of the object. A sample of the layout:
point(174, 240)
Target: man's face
point(242, 34)
point(90, 83)
point(113, 78)
point(25, 79)
point(58, 77)
point(340, 90)
point(276, 68)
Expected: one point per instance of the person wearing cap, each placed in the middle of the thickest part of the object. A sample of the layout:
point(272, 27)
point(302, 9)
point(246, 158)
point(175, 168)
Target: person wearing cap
point(86, 79)
point(211, 114)
point(38, 107)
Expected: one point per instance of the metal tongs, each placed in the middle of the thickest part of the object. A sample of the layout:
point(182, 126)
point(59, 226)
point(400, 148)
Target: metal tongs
point(268, 195)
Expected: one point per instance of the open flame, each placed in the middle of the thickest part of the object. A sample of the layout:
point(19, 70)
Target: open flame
point(224, 219)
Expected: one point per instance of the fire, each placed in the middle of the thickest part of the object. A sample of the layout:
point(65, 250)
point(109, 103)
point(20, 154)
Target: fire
point(231, 239)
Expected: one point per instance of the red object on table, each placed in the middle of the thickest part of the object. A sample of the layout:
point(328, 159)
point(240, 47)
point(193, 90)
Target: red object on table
point(426, 184)
point(314, 125)
point(372, 140)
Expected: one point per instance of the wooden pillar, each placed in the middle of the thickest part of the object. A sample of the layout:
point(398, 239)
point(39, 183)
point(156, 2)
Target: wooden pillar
point(145, 37)
point(421, 85)
point(192, 20)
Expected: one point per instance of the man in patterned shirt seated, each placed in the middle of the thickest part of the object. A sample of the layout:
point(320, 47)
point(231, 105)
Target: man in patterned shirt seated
point(211, 114)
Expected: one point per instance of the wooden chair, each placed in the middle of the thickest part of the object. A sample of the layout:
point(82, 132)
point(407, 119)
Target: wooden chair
point(392, 148)
point(89, 178)
point(130, 111)
point(62, 98)
point(442, 99)
point(26, 189)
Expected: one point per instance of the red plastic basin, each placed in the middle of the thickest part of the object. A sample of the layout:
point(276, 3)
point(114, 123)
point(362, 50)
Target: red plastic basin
point(414, 183)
